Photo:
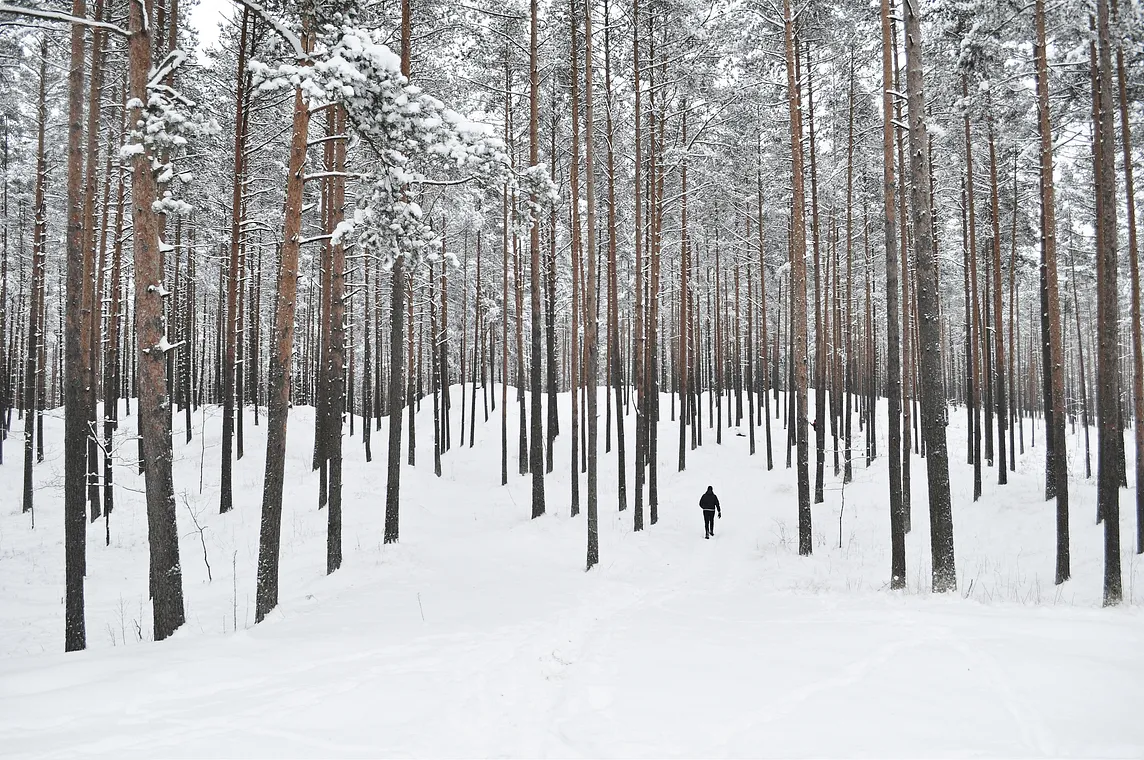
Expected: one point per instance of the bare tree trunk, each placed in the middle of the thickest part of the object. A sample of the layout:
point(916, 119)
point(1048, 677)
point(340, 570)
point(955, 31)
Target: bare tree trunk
point(226, 497)
point(337, 348)
point(893, 349)
point(1014, 407)
point(504, 288)
point(798, 288)
point(591, 331)
point(934, 408)
point(684, 268)
point(574, 181)
point(113, 364)
point(819, 301)
point(764, 376)
point(154, 406)
point(651, 326)
point(550, 309)
point(536, 454)
point(1108, 320)
point(92, 304)
point(77, 353)
point(278, 394)
point(848, 467)
point(614, 370)
point(904, 363)
point(639, 370)
point(1134, 273)
point(975, 341)
point(36, 285)
point(998, 334)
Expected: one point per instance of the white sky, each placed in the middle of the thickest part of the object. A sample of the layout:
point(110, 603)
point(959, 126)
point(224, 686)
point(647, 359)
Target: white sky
point(206, 17)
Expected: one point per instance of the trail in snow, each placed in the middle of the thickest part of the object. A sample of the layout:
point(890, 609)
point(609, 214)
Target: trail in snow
point(672, 646)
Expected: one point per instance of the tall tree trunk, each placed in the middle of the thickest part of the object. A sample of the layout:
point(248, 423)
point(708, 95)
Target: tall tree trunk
point(226, 496)
point(77, 351)
point(934, 407)
point(550, 309)
point(278, 393)
point(36, 285)
point(154, 407)
point(591, 315)
point(337, 348)
point(536, 454)
point(1108, 320)
point(798, 288)
point(574, 190)
point(848, 467)
point(639, 380)
point(819, 301)
point(684, 268)
point(1134, 273)
point(112, 363)
point(398, 366)
point(893, 349)
point(998, 333)
point(764, 377)
point(976, 343)
point(614, 370)
point(92, 304)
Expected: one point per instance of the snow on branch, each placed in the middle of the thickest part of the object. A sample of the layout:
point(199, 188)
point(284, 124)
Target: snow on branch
point(66, 18)
point(165, 68)
point(411, 132)
point(280, 28)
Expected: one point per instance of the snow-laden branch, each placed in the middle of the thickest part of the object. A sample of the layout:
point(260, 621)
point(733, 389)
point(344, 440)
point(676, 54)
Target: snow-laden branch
point(66, 18)
point(283, 31)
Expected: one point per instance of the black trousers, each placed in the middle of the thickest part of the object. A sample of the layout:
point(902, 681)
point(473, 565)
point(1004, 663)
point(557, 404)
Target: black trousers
point(709, 522)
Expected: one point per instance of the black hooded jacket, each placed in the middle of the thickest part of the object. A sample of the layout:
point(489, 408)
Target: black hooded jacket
point(709, 500)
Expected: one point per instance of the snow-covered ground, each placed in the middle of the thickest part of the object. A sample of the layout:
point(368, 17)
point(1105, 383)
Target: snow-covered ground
point(480, 634)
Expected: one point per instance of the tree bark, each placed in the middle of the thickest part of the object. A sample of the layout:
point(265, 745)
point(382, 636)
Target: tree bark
point(893, 349)
point(226, 497)
point(1108, 317)
point(278, 393)
point(591, 316)
point(154, 413)
point(76, 350)
point(536, 454)
point(934, 407)
point(798, 288)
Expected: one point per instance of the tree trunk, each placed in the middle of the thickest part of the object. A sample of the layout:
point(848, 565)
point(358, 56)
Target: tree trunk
point(640, 380)
point(615, 375)
point(536, 454)
point(154, 404)
point(893, 349)
point(1134, 273)
point(77, 353)
point(226, 498)
point(574, 190)
point(591, 316)
point(278, 393)
point(337, 347)
point(1108, 318)
point(798, 288)
point(934, 408)
point(998, 333)
point(36, 285)
point(975, 341)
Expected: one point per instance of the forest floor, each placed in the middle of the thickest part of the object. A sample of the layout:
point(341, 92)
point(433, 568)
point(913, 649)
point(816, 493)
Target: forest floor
point(480, 634)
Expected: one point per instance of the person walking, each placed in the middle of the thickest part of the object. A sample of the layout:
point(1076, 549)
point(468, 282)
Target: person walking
point(709, 503)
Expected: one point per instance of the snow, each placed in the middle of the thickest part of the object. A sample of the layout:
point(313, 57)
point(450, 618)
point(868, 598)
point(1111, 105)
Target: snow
point(480, 634)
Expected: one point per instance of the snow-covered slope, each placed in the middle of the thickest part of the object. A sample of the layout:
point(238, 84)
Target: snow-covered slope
point(480, 634)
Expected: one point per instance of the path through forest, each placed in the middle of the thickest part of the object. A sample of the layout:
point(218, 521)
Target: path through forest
point(481, 635)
